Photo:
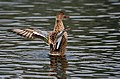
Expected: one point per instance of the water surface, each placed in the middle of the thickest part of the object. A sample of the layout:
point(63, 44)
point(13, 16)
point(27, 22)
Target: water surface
point(93, 41)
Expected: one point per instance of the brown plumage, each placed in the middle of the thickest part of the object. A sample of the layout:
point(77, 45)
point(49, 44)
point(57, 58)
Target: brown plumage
point(57, 39)
point(52, 38)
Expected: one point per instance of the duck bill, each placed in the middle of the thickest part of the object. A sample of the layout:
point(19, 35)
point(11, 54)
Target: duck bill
point(65, 17)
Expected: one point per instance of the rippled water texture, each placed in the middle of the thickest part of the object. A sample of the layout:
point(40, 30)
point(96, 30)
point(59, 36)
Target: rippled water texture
point(93, 50)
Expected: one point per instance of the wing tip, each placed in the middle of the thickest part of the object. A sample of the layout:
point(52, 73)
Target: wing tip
point(16, 30)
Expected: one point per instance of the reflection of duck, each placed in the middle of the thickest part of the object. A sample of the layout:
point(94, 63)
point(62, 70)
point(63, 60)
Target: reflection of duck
point(57, 39)
point(58, 65)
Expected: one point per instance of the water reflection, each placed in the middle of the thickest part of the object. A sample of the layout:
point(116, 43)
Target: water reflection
point(59, 65)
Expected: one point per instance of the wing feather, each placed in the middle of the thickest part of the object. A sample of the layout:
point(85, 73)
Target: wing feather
point(59, 37)
point(32, 33)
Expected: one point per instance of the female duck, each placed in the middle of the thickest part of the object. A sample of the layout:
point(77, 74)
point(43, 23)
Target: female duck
point(57, 39)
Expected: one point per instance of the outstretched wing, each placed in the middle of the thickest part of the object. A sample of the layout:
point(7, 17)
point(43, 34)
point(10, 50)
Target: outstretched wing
point(32, 34)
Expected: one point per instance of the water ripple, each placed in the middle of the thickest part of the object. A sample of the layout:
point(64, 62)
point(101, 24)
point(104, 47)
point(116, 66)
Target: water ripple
point(93, 40)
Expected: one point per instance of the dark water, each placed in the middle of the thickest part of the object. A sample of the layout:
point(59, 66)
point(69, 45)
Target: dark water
point(93, 50)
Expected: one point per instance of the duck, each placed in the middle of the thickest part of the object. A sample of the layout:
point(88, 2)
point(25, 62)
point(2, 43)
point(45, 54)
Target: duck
point(56, 39)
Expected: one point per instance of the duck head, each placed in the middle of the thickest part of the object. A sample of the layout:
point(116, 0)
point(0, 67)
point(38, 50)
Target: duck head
point(61, 16)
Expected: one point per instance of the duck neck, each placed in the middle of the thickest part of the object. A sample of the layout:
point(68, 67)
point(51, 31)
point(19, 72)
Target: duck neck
point(59, 26)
